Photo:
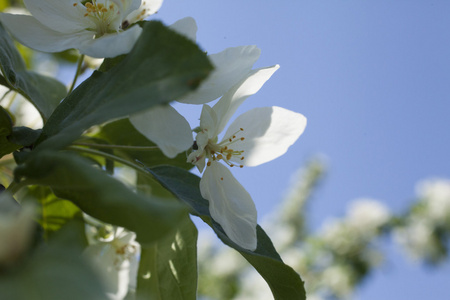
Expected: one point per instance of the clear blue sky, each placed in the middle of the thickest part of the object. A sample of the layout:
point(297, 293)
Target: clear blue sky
point(372, 79)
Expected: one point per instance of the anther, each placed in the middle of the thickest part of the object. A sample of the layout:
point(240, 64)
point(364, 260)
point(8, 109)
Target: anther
point(242, 138)
point(241, 166)
point(219, 156)
point(208, 164)
point(242, 129)
point(221, 178)
point(242, 158)
point(75, 4)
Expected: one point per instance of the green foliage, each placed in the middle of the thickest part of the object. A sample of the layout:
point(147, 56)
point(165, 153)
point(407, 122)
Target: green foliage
point(54, 271)
point(160, 68)
point(43, 92)
point(6, 146)
point(54, 212)
point(173, 263)
point(284, 282)
point(73, 178)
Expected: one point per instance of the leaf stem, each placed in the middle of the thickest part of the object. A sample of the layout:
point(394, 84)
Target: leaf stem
point(80, 63)
point(123, 147)
point(111, 157)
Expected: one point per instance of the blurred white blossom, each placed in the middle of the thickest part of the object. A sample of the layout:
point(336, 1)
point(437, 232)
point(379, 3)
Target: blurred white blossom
point(116, 259)
point(16, 228)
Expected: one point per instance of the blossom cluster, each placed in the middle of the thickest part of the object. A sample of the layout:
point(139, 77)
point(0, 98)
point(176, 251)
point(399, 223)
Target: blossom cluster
point(107, 29)
point(424, 232)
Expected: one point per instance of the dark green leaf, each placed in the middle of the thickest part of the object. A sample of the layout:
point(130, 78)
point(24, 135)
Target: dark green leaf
point(284, 282)
point(161, 67)
point(6, 146)
point(101, 196)
point(122, 132)
point(55, 271)
point(24, 136)
point(174, 260)
point(44, 92)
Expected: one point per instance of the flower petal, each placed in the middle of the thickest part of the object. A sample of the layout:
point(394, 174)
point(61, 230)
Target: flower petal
point(30, 32)
point(111, 45)
point(208, 121)
point(164, 126)
point(187, 27)
point(57, 15)
point(229, 103)
point(147, 8)
point(128, 6)
point(230, 67)
point(268, 133)
point(230, 205)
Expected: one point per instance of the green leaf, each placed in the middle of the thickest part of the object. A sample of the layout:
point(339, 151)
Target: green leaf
point(284, 282)
point(162, 66)
point(173, 260)
point(54, 271)
point(72, 177)
point(6, 129)
point(55, 212)
point(43, 92)
point(122, 132)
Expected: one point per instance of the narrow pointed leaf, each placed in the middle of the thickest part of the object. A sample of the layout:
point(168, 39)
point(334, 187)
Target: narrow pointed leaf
point(284, 282)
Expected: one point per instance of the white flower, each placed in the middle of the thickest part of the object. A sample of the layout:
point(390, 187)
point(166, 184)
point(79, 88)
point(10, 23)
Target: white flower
point(230, 67)
point(255, 137)
point(16, 228)
point(367, 215)
point(116, 260)
point(96, 28)
point(436, 194)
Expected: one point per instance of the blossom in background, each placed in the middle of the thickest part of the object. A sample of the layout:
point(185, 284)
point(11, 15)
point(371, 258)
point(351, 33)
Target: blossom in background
point(230, 67)
point(16, 229)
point(116, 259)
point(96, 28)
point(255, 137)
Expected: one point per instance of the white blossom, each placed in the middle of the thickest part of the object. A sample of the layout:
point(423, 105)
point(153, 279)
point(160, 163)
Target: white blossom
point(116, 259)
point(230, 67)
point(98, 28)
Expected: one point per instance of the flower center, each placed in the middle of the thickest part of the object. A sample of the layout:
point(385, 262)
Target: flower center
point(225, 150)
point(102, 16)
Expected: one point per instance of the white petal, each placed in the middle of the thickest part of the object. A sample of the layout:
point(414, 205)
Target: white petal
point(129, 6)
point(230, 205)
point(208, 121)
point(164, 126)
point(57, 15)
point(187, 27)
point(113, 268)
point(230, 66)
point(111, 45)
point(30, 32)
point(268, 133)
point(228, 104)
point(147, 8)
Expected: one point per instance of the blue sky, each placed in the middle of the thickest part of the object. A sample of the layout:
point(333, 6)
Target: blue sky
point(372, 79)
